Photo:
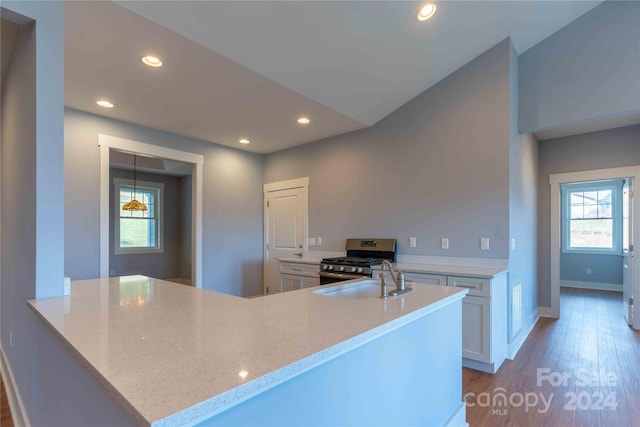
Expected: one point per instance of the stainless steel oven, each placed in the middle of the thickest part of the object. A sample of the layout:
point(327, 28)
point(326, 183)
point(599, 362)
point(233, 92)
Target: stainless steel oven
point(362, 254)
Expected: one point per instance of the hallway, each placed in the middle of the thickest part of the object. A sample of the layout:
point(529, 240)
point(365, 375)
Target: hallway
point(580, 370)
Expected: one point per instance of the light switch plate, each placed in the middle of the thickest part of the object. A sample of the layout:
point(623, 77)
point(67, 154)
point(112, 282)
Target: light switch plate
point(412, 242)
point(444, 243)
point(484, 243)
point(318, 241)
point(311, 241)
point(513, 244)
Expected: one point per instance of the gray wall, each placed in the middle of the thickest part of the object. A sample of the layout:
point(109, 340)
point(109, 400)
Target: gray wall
point(597, 150)
point(604, 268)
point(31, 184)
point(523, 182)
point(586, 71)
point(164, 265)
point(232, 220)
point(436, 167)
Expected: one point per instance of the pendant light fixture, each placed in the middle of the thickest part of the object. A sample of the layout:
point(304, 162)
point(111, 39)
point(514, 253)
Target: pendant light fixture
point(134, 205)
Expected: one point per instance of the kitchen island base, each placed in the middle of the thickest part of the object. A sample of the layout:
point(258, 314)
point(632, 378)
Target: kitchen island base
point(410, 376)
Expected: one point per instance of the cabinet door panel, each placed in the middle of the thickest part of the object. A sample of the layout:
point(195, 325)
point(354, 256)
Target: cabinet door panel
point(288, 283)
point(476, 328)
point(309, 282)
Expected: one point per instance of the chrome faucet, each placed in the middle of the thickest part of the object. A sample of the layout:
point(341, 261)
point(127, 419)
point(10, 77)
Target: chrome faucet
point(398, 279)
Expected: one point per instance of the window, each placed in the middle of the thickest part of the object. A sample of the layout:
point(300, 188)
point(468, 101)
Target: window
point(592, 217)
point(138, 231)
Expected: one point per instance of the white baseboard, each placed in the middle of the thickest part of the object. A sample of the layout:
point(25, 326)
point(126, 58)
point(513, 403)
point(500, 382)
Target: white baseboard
point(514, 347)
point(545, 312)
point(18, 414)
point(591, 285)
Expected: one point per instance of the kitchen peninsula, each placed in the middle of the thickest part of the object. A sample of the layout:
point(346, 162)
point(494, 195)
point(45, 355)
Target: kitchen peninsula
point(174, 355)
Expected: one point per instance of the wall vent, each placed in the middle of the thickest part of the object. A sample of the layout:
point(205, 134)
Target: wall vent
point(516, 309)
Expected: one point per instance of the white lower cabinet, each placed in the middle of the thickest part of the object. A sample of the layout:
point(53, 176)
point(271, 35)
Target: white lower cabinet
point(297, 276)
point(476, 328)
point(484, 317)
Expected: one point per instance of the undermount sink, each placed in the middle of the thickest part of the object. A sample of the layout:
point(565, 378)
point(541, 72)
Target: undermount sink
point(367, 288)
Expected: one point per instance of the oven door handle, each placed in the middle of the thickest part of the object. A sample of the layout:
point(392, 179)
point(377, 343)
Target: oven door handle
point(341, 276)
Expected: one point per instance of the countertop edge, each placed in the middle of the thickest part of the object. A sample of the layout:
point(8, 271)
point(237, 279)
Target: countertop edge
point(138, 418)
point(217, 404)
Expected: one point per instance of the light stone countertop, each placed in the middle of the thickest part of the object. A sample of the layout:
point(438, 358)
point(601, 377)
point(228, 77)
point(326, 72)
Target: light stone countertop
point(213, 350)
point(450, 270)
point(301, 260)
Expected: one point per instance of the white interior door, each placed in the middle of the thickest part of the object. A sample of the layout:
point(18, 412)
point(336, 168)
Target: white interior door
point(285, 225)
point(627, 251)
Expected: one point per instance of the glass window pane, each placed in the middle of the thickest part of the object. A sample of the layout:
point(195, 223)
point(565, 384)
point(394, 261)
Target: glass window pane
point(577, 198)
point(135, 233)
point(591, 233)
point(576, 212)
point(604, 196)
point(604, 210)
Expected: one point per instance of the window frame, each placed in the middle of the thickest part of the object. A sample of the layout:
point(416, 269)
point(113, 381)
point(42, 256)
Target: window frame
point(158, 187)
point(616, 215)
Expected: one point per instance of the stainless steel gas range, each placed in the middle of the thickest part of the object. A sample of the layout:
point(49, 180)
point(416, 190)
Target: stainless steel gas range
point(362, 254)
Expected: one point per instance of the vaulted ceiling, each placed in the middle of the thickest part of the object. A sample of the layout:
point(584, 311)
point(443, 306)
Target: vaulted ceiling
point(249, 69)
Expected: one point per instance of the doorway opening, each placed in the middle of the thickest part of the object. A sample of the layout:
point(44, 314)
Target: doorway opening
point(118, 151)
point(592, 235)
point(154, 241)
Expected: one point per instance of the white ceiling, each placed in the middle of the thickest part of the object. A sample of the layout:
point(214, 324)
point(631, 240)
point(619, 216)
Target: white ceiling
point(247, 69)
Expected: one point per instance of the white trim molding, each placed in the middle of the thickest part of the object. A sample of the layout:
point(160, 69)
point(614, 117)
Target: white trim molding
point(554, 253)
point(18, 413)
point(591, 285)
point(107, 143)
point(516, 344)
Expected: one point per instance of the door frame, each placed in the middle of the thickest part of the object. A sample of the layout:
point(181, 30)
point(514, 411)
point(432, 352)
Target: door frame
point(555, 180)
point(106, 143)
point(279, 186)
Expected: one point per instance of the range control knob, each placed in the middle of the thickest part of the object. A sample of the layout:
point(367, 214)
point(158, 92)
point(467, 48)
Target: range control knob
point(330, 267)
point(360, 269)
point(353, 269)
point(341, 268)
point(324, 266)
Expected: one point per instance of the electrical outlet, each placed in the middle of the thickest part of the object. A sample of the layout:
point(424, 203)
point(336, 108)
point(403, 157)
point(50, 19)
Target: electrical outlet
point(588, 271)
point(318, 241)
point(513, 244)
point(10, 337)
point(112, 273)
point(412, 242)
point(484, 243)
point(444, 243)
point(311, 241)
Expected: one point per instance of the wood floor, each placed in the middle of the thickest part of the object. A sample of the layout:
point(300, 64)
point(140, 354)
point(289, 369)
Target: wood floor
point(5, 414)
point(580, 370)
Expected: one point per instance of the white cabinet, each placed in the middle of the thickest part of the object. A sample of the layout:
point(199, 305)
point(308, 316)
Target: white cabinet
point(484, 321)
point(429, 279)
point(476, 328)
point(484, 316)
point(297, 276)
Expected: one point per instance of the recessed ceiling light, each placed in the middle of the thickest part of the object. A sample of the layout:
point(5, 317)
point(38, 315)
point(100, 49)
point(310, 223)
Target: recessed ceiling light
point(304, 120)
point(244, 141)
point(104, 103)
point(426, 11)
point(151, 61)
